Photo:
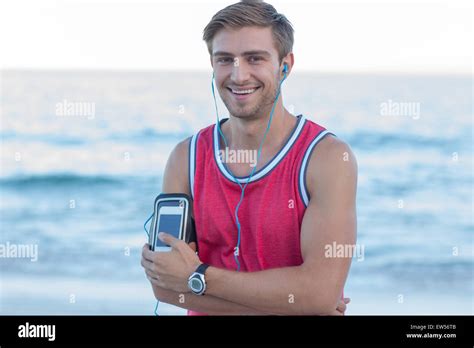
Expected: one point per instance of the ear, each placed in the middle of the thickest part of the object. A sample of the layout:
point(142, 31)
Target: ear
point(289, 60)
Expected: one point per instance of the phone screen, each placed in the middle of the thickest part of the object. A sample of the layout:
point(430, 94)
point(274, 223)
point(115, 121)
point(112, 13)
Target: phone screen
point(169, 222)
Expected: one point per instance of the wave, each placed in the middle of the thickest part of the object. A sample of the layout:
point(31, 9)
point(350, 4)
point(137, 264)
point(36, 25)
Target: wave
point(64, 179)
point(137, 136)
point(375, 140)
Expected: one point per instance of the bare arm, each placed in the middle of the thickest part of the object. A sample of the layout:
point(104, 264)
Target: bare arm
point(206, 304)
point(316, 286)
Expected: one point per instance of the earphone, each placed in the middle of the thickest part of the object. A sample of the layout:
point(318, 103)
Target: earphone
point(236, 212)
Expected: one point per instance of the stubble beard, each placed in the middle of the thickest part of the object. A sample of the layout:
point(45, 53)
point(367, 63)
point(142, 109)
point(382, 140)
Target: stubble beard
point(260, 108)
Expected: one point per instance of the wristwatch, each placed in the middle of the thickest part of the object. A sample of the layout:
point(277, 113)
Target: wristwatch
point(197, 281)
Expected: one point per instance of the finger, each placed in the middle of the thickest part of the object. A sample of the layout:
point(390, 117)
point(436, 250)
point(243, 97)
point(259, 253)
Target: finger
point(151, 274)
point(347, 300)
point(341, 307)
point(341, 304)
point(152, 280)
point(146, 264)
point(193, 246)
point(168, 239)
point(147, 253)
point(156, 282)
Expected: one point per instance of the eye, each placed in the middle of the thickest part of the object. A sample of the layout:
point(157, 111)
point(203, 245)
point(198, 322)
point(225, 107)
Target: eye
point(255, 59)
point(225, 60)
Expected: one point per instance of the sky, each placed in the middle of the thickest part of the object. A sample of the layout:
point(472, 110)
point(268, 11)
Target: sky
point(399, 36)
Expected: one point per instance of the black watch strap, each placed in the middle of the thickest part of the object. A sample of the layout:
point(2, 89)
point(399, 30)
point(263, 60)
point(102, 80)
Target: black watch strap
point(202, 268)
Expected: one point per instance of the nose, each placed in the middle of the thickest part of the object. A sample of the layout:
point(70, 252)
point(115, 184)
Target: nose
point(240, 73)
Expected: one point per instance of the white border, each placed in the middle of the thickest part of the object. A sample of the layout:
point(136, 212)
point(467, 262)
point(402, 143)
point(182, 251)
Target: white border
point(304, 193)
point(192, 161)
point(272, 164)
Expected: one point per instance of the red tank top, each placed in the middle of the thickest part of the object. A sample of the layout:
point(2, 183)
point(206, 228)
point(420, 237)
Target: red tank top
point(271, 212)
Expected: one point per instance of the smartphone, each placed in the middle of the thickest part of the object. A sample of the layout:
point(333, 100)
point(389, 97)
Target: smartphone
point(171, 215)
point(170, 220)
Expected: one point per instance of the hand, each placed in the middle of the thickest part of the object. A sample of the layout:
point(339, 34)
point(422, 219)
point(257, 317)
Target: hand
point(161, 294)
point(341, 306)
point(170, 270)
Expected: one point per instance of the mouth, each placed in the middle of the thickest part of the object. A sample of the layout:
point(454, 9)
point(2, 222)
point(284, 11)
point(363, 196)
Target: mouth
point(242, 93)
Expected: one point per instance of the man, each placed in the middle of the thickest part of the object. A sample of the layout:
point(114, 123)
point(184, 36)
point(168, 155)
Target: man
point(299, 200)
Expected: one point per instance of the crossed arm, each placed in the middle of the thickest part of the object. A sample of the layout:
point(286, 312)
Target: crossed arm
point(315, 287)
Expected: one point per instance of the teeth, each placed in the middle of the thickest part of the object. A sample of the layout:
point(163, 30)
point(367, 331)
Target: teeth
point(246, 91)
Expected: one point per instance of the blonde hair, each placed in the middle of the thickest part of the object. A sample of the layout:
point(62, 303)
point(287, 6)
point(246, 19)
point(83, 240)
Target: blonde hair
point(252, 13)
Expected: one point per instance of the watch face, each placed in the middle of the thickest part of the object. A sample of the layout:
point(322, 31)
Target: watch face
point(196, 284)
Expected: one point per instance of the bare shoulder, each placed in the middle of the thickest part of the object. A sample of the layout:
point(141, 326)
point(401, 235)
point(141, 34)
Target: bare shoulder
point(180, 151)
point(175, 178)
point(332, 165)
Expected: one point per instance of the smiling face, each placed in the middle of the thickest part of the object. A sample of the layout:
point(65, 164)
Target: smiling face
point(247, 70)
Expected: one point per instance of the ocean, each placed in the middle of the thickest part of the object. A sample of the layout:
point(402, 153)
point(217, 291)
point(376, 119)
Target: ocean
point(83, 154)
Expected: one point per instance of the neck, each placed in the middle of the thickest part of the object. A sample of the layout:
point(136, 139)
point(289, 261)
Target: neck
point(247, 134)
